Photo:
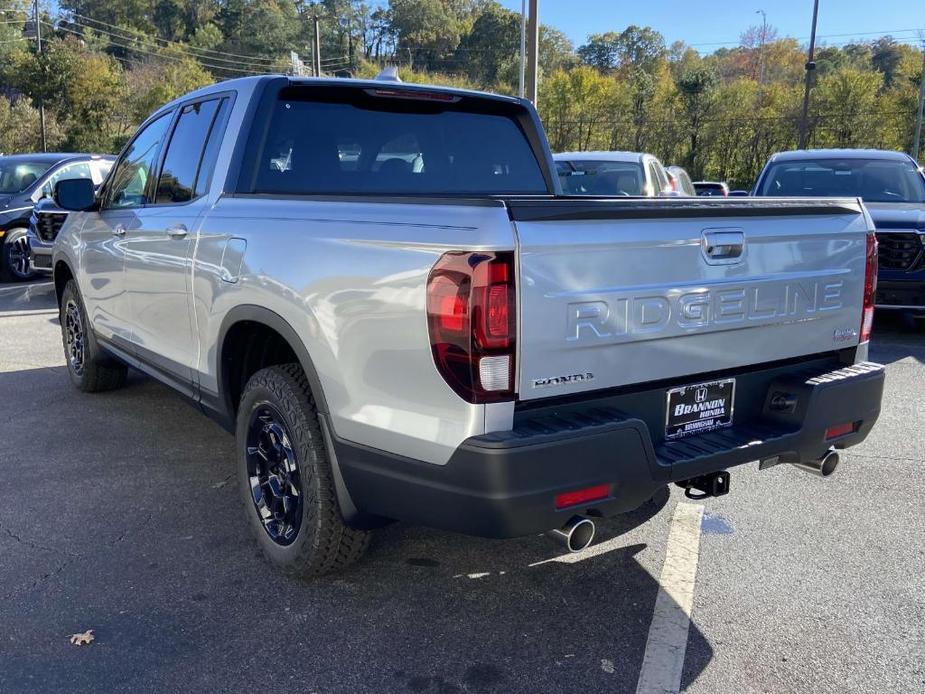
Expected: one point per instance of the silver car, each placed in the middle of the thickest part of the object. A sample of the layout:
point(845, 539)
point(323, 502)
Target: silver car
point(631, 174)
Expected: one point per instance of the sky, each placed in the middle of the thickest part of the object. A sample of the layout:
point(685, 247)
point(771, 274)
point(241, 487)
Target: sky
point(711, 24)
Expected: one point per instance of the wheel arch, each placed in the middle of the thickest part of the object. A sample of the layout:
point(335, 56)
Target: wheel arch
point(249, 318)
point(62, 275)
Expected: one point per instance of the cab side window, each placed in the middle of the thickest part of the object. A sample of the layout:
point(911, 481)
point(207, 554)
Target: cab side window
point(184, 163)
point(134, 169)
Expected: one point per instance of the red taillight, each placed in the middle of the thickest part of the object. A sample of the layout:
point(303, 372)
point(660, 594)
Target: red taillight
point(582, 496)
point(870, 287)
point(839, 430)
point(470, 316)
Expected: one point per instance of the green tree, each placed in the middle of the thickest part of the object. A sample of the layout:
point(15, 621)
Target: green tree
point(602, 51)
point(19, 128)
point(846, 110)
point(259, 28)
point(556, 50)
point(577, 108)
point(428, 31)
point(493, 39)
point(82, 87)
point(696, 87)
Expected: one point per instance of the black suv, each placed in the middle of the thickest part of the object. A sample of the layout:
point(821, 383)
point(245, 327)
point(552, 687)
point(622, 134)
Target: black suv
point(892, 185)
point(24, 180)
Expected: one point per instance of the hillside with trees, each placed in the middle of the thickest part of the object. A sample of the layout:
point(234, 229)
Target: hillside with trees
point(106, 64)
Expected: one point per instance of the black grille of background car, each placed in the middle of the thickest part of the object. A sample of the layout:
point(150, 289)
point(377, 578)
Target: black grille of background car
point(899, 250)
point(48, 224)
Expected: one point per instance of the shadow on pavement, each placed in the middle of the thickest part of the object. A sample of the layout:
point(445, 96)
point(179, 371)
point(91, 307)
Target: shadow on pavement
point(37, 295)
point(122, 516)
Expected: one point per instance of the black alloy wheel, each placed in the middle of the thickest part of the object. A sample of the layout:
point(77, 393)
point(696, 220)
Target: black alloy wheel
point(273, 472)
point(14, 262)
point(74, 344)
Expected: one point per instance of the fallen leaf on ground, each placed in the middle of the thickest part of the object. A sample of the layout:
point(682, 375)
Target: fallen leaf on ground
point(83, 639)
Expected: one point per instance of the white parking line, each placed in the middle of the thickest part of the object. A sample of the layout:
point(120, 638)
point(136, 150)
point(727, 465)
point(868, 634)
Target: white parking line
point(663, 662)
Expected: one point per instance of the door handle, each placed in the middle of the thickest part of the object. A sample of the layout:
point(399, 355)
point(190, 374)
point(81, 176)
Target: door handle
point(723, 247)
point(178, 231)
point(118, 230)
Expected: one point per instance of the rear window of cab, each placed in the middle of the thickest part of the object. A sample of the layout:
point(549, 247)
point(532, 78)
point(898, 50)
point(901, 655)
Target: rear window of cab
point(324, 140)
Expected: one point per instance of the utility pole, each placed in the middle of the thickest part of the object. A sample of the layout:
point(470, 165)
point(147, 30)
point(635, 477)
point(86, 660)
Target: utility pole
point(533, 49)
point(810, 73)
point(917, 147)
point(523, 48)
point(316, 47)
point(38, 50)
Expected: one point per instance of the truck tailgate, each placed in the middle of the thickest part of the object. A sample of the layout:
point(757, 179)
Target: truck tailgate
point(615, 292)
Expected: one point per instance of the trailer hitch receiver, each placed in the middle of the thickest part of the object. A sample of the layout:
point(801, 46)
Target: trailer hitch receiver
point(705, 486)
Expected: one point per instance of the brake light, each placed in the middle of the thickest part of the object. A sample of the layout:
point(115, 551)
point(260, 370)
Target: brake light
point(470, 318)
point(870, 287)
point(414, 95)
point(581, 496)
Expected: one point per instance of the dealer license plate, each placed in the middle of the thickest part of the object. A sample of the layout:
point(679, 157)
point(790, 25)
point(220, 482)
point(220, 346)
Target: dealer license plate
point(699, 408)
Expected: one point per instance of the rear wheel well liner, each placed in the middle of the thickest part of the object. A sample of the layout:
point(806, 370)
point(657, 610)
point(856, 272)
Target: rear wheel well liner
point(62, 274)
point(267, 339)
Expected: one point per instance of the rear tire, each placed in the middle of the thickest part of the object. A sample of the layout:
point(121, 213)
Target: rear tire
point(285, 478)
point(14, 256)
point(90, 369)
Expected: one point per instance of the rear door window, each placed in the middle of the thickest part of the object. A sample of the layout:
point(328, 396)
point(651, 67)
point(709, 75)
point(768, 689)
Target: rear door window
point(177, 181)
point(351, 141)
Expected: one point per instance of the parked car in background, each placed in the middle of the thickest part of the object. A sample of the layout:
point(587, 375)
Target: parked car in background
point(612, 173)
point(24, 180)
point(892, 185)
point(739, 193)
point(47, 217)
point(712, 189)
point(680, 181)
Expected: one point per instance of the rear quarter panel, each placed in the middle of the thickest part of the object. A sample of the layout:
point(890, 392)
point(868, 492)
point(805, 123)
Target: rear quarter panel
point(350, 279)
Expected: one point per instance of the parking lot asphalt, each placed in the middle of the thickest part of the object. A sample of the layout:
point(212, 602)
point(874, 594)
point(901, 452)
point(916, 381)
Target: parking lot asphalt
point(120, 514)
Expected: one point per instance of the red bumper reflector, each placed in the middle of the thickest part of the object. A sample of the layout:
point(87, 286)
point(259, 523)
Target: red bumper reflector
point(580, 496)
point(839, 430)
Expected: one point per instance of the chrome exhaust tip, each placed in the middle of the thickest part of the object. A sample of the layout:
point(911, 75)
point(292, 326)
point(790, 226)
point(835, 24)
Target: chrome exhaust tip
point(577, 534)
point(824, 466)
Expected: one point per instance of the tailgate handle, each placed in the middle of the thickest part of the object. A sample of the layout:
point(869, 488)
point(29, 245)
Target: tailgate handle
point(723, 247)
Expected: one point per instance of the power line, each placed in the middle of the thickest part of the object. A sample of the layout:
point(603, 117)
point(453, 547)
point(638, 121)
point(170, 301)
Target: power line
point(176, 43)
point(148, 41)
point(163, 56)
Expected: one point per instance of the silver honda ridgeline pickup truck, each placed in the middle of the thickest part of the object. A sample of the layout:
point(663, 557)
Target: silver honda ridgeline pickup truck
point(381, 290)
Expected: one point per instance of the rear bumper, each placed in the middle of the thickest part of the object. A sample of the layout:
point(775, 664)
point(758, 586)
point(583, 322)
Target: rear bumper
point(504, 484)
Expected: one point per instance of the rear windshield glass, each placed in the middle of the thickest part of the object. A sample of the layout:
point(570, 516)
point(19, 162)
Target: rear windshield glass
point(17, 175)
point(601, 178)
point(348, 141)
point(874, 180)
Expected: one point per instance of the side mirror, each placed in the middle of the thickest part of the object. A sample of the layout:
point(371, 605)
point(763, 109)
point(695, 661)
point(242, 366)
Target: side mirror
point(75, 194)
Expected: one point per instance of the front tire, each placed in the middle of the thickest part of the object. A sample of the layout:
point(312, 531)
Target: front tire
point(14, 256)
point(285, 478)
point(91, 370)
